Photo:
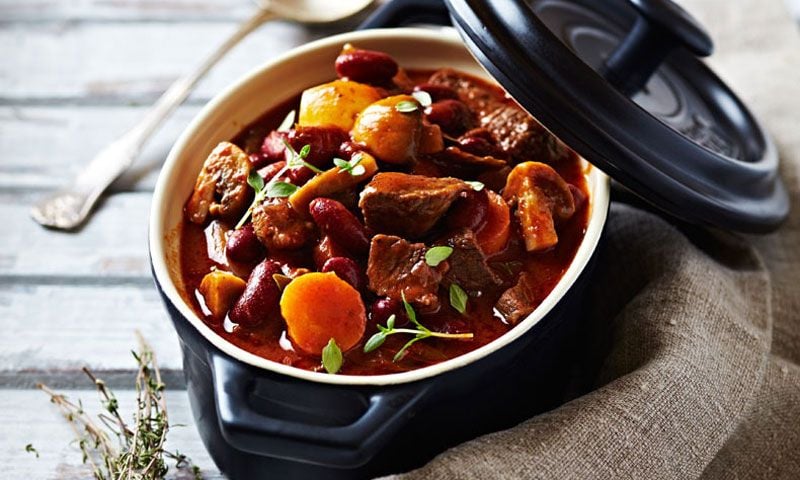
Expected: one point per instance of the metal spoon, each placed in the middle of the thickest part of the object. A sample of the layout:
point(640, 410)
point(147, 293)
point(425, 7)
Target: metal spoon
point(67, 208)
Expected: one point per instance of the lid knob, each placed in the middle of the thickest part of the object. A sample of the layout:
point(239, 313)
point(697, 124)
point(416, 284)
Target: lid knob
point(660, 27)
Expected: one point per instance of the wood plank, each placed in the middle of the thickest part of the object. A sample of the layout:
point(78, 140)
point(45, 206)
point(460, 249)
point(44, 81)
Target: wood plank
point(112, 247)
point(124, 10)
point(102, 63)
point(45, 147)
point(28, 417)
point(58, 328)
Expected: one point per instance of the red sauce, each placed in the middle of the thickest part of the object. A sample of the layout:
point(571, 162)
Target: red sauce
point(268, 340)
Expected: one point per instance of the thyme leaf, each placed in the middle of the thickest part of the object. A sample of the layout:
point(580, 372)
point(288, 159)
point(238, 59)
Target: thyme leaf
point(332, 357)
point(436, 255)
point(458, 298)
point(406, 106)
point(420, 333)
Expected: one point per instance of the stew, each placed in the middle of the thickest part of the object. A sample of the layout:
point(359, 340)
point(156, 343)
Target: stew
point(394, 219)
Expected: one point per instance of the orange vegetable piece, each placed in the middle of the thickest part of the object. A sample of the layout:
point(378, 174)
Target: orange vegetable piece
point(494, 234)
point(320, 306)
point(220, 290)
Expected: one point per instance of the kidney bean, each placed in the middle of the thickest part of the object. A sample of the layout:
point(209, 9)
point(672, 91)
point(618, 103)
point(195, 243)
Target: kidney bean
point(470, 211)
point(273, 149)
point(383, 308)
point(337, 222)
point(260, 297)
point(324, 142)
point(453, 116)
point(348, 149)
point(325, 250)
point(437, 92)
point(243, 245)
point(578, 196)
point(480, 142)
point(299, 176)
point(348, 270)
point(271, 170)
point(366, 66)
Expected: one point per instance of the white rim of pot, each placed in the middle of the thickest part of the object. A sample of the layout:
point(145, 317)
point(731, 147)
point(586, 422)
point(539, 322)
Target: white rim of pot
point(598, 185)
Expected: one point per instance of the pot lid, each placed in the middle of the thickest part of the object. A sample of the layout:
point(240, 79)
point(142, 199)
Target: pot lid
point(619, 81)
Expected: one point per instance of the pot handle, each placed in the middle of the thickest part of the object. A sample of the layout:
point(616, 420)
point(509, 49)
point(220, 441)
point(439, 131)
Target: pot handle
point(343, 446)
point(398, 13)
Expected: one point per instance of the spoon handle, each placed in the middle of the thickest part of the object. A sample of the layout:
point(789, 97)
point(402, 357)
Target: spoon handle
point(67, 208)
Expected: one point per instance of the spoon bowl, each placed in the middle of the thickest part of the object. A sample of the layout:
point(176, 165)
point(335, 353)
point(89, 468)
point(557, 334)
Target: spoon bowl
point(315, 11)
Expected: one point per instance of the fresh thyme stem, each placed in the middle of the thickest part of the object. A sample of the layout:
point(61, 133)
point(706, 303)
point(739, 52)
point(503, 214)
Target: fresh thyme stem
point(431, 333)
point(139, 450)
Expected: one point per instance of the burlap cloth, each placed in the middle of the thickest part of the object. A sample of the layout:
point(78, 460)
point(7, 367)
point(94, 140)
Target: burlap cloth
point(700, 373)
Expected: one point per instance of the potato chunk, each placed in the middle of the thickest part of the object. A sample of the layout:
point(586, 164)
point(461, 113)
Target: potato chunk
point(337, 103)
point(387, 133)
point(220, 290)
point(541, 196)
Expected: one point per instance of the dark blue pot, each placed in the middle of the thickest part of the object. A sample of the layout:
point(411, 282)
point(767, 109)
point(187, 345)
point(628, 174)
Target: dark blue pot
point(255, 422)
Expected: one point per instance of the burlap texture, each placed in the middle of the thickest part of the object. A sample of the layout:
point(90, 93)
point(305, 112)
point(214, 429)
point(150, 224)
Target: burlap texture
point(697, 332)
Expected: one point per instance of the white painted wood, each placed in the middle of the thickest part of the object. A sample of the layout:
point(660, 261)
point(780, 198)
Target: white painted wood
point(27, 416)
point(63, 326)
point(123, 10)
point(112, 246)
point(44, 147)
point(120, 63)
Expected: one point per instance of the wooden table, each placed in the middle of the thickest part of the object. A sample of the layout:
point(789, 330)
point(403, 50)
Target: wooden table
point(75, 74)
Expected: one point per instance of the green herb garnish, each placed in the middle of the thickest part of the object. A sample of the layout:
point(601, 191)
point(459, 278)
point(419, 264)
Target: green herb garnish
point(281, 280)
point(298, 159)
point(115, 448)
point(423, 97)
point(287, 122)
point(436, 255)
point(406, 106)
point(332, 357)
point(281, 189)
point(420, 333)
point(458, 298)
point(477, 186)
point(29, 448)
point(270, 189)
point(352, 167)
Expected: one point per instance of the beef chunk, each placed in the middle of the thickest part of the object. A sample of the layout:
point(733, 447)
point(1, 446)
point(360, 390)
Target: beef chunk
point(407, 205)
point(280, 227)
point(397, 267)
point(468, 267)
point(519, 134)
point(520, 300)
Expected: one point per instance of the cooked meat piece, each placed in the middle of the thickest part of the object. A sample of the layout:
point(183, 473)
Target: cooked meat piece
point(468, 267)
point(279, 226)
point(407, 205)
point(397, 267)
point(221, 189)
point(541, 198)
point(458, 157)
point(519, 134)
point(478, 98)
point(520, 300)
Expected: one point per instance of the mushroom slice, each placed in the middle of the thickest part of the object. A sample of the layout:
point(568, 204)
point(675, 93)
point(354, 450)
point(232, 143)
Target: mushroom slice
point(541, 198)
point(221, 189)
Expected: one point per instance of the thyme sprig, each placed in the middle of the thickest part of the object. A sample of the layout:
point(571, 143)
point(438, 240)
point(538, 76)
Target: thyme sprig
point(275, 187)
point(115, 449)
point(420, 333)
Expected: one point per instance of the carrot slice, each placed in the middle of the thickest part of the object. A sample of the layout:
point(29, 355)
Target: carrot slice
point(494, 235)
point(320, 306)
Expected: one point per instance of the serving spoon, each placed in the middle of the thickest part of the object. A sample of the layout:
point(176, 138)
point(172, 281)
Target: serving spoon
point(69, 207)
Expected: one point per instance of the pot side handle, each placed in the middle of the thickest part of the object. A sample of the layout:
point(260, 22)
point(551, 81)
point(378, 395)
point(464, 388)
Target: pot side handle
point(345, 446)
point(398, 13)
